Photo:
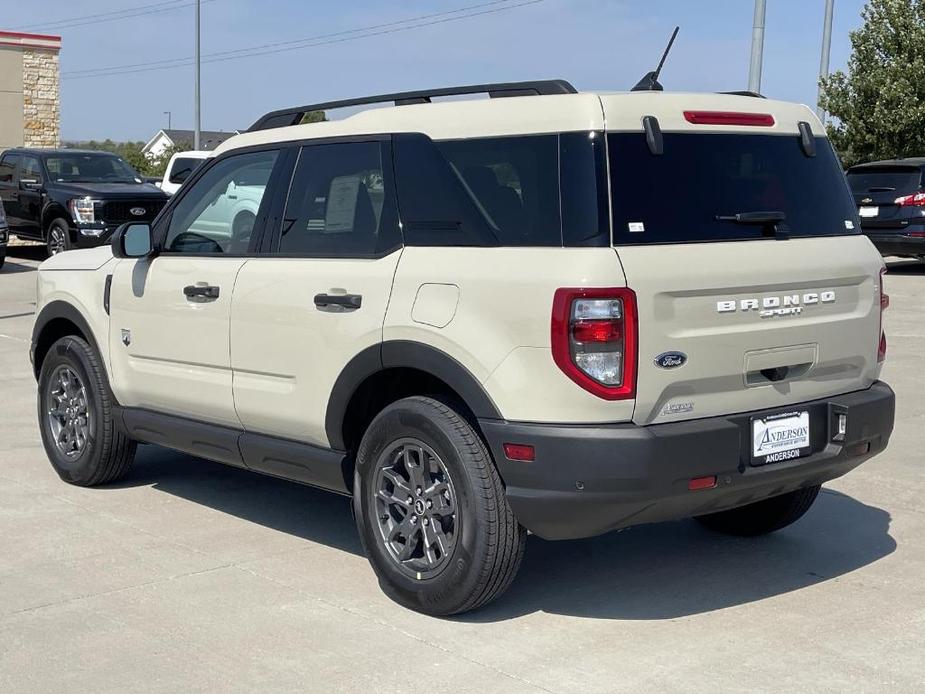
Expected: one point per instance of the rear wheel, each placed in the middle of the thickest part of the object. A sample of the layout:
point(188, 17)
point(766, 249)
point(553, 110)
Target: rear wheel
point(763, 517)
point(431, 510)
point(81, 439)
point(58, 237)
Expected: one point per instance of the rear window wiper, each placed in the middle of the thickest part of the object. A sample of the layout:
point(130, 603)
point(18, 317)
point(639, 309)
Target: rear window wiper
point(765, 218)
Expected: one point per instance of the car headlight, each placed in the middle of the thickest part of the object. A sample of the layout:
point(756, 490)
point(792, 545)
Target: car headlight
point(83, 210)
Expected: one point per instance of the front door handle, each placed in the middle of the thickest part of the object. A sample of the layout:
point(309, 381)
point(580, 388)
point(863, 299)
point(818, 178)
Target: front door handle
point(338, 302)
point(201, 292)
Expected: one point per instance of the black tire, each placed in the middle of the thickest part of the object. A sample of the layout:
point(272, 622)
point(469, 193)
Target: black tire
point(764, 516)
point(58, 237)
point(2, 259)
point(107, 453)
point(487, 541)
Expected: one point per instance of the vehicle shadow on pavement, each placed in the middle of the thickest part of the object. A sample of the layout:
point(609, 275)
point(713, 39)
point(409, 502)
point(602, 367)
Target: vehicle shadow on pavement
point(649, 572)
point(11, 267)
point(677, 569)
point(284, 506)
point(36, 252)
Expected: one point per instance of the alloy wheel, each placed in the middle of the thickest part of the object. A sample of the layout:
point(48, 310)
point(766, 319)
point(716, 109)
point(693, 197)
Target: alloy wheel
point(68, 412)
point(56, 240)
point(416, 511)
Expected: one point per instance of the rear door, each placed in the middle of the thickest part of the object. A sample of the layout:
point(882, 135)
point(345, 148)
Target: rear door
point(317, 294)
point(876, 189)
point(765, 313)
point(170, 315)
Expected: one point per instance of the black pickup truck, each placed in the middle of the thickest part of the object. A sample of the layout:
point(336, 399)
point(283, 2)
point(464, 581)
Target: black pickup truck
point(72, 198)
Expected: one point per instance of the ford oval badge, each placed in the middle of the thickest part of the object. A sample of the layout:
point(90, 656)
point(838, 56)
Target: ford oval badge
point(138, 211)
point(670, 360)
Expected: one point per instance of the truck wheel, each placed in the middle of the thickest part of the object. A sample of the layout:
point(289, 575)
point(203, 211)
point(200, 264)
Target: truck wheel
point(58, 237)
point(81, 438)
point(431, 510)
point(764, 516)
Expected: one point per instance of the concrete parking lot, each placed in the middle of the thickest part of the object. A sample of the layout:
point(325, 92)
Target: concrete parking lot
point(191, 576)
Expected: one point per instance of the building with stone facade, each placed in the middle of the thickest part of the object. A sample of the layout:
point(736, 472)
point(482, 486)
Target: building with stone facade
point(30, 96)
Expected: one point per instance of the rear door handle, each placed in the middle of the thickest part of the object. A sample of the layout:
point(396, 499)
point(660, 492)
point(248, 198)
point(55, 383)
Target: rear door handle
point(338, 302)
point(201, 292)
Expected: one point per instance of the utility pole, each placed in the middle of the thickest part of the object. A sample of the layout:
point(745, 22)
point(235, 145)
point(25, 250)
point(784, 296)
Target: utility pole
point(197, 117)
point(754, 67)
point(826, 50)
point(169, 119)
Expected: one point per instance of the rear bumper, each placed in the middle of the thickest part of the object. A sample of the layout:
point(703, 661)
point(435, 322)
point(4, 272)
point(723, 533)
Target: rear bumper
point(898, 242)
point(589, 479)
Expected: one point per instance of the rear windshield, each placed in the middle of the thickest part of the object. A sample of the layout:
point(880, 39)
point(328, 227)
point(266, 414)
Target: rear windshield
point(884, 179)
point(676, 197)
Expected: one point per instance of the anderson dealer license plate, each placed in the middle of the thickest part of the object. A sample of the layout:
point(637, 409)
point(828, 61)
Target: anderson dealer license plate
point(780, 437)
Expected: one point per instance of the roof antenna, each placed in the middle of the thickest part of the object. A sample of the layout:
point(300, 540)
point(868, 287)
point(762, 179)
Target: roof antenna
point(649, 83)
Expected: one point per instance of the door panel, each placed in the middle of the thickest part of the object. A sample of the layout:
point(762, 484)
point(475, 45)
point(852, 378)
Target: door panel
point(286, 351)
point(319, 295)
point(177, 359)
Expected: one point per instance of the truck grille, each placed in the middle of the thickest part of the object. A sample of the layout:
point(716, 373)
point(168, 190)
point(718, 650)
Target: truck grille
point(121, 211)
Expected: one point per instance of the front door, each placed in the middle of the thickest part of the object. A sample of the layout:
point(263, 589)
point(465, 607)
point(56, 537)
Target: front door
point(31, 182)
point(169, 326)
point(318, 296)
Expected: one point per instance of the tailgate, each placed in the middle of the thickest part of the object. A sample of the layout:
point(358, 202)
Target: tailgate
point(763, 323)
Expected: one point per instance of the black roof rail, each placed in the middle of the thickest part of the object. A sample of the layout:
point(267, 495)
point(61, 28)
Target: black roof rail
point(293, 116)
point(745, 92)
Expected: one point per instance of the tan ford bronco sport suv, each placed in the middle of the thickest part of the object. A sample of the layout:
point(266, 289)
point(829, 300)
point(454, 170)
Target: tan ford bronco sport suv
point(546, 311)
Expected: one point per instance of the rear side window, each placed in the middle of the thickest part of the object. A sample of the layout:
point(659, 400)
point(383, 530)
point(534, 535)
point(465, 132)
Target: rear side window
point(677, 197)
point(884, 179)
point(340, 203)
point(183, 168)
point(8, 167)
point(535, 190)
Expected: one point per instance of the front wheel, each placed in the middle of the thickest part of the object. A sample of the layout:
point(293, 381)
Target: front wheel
point(81, 438)
point(431, 510)
point(764, 516)
point(58, 237)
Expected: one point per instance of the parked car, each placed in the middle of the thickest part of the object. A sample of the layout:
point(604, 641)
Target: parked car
point(72, 198)
point(891, 203)
point(483, 317)
point(4, 235)
point(180, 167)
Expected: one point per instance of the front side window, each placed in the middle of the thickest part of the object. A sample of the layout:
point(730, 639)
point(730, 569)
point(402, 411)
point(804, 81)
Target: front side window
point(90, 168)
point(340, 203)
point(694, 190)
point(218, 213)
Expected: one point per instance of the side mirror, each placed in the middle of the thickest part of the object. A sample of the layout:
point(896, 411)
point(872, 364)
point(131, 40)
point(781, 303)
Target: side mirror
point(132, 240)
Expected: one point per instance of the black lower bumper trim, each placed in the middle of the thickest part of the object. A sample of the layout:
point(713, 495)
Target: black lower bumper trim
point(589, 479)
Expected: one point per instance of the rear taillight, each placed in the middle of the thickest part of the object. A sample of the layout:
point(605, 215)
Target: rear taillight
point(914, 200)
point(594, 339)
point(884, 305)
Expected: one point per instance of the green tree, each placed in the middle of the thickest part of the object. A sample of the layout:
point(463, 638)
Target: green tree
point(880, 103)
point(314, 117)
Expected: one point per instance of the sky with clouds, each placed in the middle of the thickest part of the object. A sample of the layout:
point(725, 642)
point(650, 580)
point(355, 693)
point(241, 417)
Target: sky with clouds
point(595, 44)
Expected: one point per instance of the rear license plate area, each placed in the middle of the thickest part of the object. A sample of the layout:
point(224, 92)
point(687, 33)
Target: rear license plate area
point(868, 211)
point(776, 438)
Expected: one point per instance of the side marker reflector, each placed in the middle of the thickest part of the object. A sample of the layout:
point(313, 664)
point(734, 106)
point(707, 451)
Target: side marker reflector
point(520, 452)
point(699, 483)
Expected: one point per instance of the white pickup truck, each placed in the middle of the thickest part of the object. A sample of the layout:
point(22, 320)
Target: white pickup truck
point(179, 168)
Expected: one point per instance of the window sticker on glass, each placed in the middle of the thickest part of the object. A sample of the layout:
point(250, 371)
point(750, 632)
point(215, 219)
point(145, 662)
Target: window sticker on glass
point(636, 227)
point(849, 224)
point(342, 204)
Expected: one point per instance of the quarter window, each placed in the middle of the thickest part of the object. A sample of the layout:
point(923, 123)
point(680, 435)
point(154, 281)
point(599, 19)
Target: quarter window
point(340, 203)
point(219, 212)
point(8, 167)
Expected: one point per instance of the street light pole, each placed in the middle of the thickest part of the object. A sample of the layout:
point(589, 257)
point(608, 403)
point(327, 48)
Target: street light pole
point(197, 114)
point(826, 50)
point(754, 67)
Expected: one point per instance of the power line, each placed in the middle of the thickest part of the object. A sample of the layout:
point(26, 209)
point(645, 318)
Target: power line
point(297, 43)
point(113, 16)
point(311, 42)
